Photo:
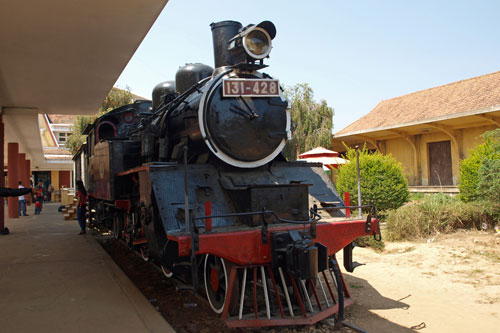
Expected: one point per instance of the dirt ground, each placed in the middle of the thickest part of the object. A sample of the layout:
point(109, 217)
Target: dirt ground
point(449, 283)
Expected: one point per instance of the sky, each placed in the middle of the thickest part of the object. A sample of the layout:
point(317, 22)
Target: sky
point(353, 54)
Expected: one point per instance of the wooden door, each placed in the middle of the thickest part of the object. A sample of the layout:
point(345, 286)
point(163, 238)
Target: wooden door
point(440, 163)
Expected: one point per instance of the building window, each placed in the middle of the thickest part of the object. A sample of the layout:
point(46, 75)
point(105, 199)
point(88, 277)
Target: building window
point(62, 137)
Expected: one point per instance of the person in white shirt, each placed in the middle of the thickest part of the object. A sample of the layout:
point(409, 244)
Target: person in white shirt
point(22, 202)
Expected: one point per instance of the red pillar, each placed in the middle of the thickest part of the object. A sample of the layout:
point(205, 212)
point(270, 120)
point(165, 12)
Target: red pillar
point(28, 175)
point(2, 175)
point(21, 170)
point(13, 152)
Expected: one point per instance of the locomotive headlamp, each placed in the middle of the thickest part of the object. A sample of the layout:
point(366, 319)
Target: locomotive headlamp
point(257, 43)
point(254, 42)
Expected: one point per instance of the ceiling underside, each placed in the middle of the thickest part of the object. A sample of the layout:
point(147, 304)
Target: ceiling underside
point(63, 57)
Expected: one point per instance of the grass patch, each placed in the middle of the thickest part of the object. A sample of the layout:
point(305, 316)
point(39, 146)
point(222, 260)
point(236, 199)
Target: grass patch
point(355, 285)
point(434, 214)
point(490, 255)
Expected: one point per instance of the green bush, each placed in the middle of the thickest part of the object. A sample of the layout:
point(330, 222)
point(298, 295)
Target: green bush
point(369, 241)
point(470, 178)
point(489, 180)
point(437, 214)
point(382, 180)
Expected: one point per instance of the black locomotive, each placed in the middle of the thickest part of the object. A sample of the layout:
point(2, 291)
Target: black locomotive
point(196, 182)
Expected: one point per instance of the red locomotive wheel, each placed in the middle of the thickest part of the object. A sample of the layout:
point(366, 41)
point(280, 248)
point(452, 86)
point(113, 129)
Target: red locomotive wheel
point(216, 279)
point(216, 276)
point(168, 273)
point(144, 254)
point(117, 225)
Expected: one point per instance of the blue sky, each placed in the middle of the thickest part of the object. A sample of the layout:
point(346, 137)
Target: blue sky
point(352, 53)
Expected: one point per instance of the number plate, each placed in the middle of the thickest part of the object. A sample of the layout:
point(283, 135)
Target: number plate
point(250, 88)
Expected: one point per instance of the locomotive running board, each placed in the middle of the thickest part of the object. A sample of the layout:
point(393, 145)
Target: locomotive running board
point(316, 303)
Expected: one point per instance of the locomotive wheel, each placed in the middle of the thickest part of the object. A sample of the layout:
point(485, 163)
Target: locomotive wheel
point(144, 254)
point(168, 273)
point(117, 226)
point(216, 277)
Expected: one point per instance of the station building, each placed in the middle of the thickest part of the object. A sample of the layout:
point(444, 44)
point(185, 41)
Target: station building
point(430, 131)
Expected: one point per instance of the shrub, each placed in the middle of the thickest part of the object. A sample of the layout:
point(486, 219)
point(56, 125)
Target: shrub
point(382, 180)
point(437, 214)
point(470, 177)
point(369, 241)
point(489, 180)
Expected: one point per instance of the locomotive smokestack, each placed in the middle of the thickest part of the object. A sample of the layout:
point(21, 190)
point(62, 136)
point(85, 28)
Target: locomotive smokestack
point(222, 32)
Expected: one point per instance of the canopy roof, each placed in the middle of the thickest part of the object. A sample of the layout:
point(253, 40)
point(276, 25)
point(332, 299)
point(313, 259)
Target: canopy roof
point(63, 57)
point(318, 152)
point(328, 158)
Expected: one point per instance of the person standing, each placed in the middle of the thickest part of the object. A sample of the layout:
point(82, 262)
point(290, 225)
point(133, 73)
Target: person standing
point(39, 197)
point(82, 202)
point(22, 202)
point(50, 190)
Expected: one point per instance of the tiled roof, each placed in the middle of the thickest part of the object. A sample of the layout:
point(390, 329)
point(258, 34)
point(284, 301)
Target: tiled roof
point(59, 157)
point(62, 118)
point(476, 93)
point(57, 151)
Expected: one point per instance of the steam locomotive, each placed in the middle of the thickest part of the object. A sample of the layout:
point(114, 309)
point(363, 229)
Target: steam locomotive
point(195, 181)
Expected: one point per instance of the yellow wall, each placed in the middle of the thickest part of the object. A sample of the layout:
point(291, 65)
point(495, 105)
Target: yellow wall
point(404, 152)
point(472, 137)
point(54, 178)
point(47, 140)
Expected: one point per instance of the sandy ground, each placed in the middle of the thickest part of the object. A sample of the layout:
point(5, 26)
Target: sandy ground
point(449, 283)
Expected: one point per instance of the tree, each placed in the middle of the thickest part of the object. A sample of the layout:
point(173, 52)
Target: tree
point(311, 121)
point(115, 98)
point(76, 139)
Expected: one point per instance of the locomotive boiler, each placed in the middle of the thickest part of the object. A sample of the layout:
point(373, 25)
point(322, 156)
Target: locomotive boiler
point(195, 181)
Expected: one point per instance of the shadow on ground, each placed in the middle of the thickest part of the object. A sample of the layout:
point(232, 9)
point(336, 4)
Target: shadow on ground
point(368, 298)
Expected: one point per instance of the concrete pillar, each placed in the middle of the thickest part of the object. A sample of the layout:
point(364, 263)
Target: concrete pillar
point(21, 171)
point(28, 175)
point(2, 173)
point(13, 152)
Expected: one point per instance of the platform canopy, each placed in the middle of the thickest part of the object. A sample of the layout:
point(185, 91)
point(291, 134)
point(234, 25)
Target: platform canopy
point(63, 57)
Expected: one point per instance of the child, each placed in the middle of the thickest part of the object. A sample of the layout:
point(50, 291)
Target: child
point(38, 207)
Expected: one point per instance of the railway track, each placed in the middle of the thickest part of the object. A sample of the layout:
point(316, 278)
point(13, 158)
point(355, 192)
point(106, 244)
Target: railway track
point(185, 311)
